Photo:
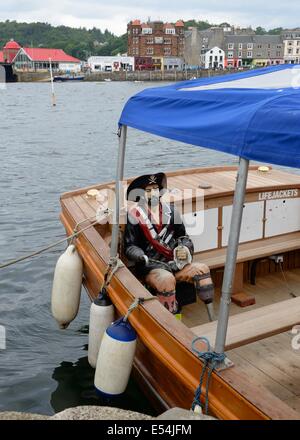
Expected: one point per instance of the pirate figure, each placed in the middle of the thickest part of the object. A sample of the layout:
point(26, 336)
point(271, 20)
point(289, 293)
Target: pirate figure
point(155, 240)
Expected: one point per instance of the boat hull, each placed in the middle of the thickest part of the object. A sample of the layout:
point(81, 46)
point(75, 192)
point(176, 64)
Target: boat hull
point(165, 364)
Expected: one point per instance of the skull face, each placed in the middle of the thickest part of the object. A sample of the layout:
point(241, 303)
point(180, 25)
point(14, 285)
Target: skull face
point(152, 194)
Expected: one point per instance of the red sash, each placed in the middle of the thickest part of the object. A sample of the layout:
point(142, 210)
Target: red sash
point(161, 248)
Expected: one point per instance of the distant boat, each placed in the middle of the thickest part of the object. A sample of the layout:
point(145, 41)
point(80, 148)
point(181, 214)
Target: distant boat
point(63, 78)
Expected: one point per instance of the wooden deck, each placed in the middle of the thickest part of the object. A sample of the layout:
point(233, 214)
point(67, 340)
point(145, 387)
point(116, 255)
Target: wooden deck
point(271, 362)
point(164, 349)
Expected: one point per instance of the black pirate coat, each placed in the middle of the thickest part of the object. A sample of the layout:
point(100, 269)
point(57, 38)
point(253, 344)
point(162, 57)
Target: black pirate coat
point(137, 244)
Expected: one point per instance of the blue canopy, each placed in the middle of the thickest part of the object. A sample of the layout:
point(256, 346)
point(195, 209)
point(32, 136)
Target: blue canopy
point(253, 114)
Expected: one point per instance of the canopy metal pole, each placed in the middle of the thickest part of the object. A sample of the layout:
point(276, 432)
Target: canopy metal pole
point(232, 250)
point(118, 189)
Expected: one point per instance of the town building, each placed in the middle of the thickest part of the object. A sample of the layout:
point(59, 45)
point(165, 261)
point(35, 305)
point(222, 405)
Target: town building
point(268, 50)
point(214, 58)
point(157, 40)
point(253, 50)
point(242, 48)
point(291, 42)
point(38, 59)
point(199, 43)
point(111, 64)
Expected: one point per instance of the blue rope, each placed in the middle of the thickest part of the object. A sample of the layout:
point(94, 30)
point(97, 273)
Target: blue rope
point(211, 359)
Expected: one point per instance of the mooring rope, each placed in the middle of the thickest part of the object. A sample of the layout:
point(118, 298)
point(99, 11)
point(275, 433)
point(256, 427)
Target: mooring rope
point(50, 246)
point(137, 302)
point(211, 359)
point(286, 281)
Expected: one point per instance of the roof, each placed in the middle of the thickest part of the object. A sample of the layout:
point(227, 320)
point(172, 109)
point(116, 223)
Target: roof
point(136, 23)
point(179, 23)
point(239, 38)
point(12, 45)
point(267, 39)
point(253, 114)
point(168, 26)
point(56, 55)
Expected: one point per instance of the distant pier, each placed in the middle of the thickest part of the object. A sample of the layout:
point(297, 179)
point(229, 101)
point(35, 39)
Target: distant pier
point(148, 75)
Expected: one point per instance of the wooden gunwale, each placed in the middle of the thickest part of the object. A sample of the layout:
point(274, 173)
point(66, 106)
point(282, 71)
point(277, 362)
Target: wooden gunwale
point(167, 339)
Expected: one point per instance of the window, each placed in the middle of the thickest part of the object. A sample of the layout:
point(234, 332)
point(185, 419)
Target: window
point(167, 51)
point(146, 31)
point(167, 41)
point(230, 46)
point(170, 31)
point(135, 51)
point(290, 51)
point(278, 54)
point(250, 46)
point(150, 51)
point(149, 41)
point(230, 54)
point(249, 54)
point(240, 54)
point(135, 31)
point(259, 46)
point(241, 46)
point(135, 40)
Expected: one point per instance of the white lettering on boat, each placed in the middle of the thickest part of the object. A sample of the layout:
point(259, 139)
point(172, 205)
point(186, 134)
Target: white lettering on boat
point(281, 194)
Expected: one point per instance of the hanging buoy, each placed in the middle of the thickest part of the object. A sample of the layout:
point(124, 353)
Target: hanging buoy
point(115, 358)
point(67, 287)
point(101, 316)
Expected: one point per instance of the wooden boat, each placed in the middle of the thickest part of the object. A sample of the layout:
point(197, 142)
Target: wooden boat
point(64, 78)
point(251, 230)
point(264, 382)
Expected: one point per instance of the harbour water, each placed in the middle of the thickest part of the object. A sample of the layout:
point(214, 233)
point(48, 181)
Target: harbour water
point(44, 152)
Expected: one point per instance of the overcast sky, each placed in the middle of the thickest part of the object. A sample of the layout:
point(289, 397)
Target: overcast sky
point(114, 14)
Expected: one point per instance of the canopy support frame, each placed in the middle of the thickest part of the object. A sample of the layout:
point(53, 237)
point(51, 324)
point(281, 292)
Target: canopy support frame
point(231, 258)
point(122, 133)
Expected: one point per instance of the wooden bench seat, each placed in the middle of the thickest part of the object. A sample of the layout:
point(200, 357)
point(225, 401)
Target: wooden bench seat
point(252, 250)
point(255, 325)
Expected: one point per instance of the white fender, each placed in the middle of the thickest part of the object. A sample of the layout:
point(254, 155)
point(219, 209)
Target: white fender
point(101, 316)
point(67, 287)
point(115, 359)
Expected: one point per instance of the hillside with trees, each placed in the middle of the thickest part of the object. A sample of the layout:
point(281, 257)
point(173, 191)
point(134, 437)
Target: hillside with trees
point(79, 42)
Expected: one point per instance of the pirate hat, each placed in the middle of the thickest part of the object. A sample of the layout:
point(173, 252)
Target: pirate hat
point(140, 183)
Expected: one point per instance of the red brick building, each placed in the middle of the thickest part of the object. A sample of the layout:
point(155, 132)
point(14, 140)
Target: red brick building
point(156, 40)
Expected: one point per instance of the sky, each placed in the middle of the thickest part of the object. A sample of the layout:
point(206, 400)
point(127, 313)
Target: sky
point(115, 14)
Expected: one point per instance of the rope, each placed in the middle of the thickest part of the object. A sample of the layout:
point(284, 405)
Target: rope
point(137, 302)
point(114, 264)
point(286, 281)
point(211, 359)
point(50, 246)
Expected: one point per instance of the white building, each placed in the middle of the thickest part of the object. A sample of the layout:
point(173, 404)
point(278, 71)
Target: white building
point(110, 64)
point(214, 58)
point(173, 63)
point(291, 41)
